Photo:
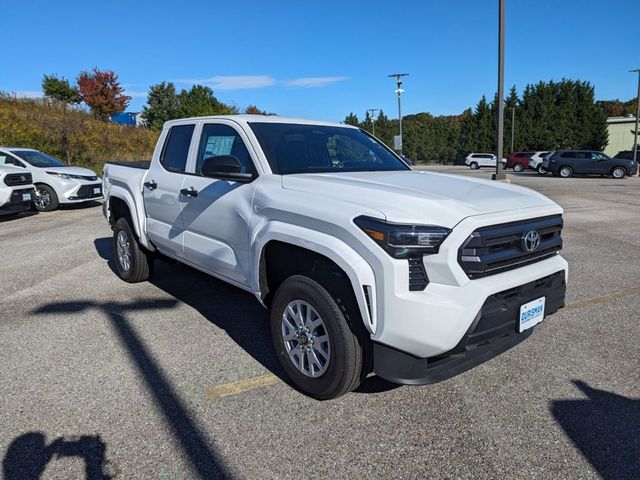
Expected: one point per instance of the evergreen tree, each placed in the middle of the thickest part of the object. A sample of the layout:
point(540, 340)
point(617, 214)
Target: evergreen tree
point(162, 105)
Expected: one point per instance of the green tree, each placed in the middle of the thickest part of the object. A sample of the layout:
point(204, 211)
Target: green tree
point(351, 119)
point(59, 89)
point(162, 105)
point(199, 101)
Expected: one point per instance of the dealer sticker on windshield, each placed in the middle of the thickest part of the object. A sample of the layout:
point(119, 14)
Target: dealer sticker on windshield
point(531, 314)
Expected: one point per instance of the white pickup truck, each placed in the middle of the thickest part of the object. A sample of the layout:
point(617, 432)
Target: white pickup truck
point(16, 190)
point(365, 265)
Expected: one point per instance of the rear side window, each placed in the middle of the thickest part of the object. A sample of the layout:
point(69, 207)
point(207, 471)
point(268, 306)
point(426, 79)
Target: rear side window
point(568, 155)
point(176, 148)
point(219, 140)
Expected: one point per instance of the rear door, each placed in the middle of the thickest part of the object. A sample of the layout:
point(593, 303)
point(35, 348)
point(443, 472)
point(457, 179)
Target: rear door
point(216, 212)
point(161, 190)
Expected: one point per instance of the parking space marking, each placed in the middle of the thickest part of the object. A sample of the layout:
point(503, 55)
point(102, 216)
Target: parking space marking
point(242, 386)
point(603, 299)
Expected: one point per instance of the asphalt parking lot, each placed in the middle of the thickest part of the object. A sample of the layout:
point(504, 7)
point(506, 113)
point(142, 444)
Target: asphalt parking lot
point(176, 378)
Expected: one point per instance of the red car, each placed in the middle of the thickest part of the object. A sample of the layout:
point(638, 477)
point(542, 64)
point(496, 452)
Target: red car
point(519, 161)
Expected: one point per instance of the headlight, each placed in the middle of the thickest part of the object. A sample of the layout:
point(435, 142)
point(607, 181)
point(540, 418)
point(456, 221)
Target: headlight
point(61, 175)
point(400, 241)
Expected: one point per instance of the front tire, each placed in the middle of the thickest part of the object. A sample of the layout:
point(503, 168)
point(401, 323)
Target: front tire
point(518, 167)
point(133, 263)
point(46, 199)
point(541, 170)
point(566, 172)
point(618, 173)
point(318, 336)
point(474, 166)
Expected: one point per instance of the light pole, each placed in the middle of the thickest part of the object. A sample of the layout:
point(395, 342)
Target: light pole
point(513, 126)
point(399, 91)
point(500, 130)
point(373, 119)
point(635, 133)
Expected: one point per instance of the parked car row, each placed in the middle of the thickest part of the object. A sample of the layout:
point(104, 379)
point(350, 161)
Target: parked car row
point(563, 163)
point(32, 180)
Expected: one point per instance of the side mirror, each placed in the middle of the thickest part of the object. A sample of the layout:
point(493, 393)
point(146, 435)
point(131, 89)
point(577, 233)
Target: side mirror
point(225, 167)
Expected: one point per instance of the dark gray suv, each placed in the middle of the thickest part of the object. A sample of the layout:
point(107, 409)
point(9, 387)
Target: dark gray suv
point(566, 163)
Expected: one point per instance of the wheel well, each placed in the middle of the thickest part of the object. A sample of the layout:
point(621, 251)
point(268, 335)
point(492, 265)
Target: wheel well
point(118, 209)
point(626, 172)
point(280, 260)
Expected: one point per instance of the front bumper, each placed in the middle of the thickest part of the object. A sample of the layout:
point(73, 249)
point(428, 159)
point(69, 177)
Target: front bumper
point(82, 192)
point(16, 202)
point(493, 331)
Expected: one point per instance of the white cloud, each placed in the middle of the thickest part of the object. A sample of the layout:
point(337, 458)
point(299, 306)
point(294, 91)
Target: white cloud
point(311, 82)
point(135, 94)
point(237, 82)
point(27, 94)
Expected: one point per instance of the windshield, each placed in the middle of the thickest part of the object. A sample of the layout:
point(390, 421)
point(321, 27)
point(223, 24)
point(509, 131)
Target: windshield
point(38, 159)
point(294, 148)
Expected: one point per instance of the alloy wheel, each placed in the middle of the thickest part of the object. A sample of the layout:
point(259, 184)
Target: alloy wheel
point(306, 338)
point(43, 199)
point(124, 251)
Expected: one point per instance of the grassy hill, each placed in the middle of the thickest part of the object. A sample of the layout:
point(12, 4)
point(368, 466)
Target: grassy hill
point(71, 135)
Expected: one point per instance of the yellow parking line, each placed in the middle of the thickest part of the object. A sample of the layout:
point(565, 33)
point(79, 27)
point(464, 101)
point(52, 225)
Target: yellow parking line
point(270, 379)
point(604, 298)
point(242, 386)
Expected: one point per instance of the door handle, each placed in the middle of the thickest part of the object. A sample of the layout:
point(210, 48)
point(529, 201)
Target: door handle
point(151, 185)
point(189, 192)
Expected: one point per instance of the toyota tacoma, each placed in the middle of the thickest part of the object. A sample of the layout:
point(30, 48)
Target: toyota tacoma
point(366, 265)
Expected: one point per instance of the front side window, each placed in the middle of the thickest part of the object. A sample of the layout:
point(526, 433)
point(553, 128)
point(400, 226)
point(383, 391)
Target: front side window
point(219, 140)
point(38, 159)
point(296, 148)
point(176, 148)
point(598, 156)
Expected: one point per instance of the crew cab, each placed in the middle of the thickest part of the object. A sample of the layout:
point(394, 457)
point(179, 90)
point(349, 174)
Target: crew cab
point(364, 264)
point(55, 183)
point(16, 189)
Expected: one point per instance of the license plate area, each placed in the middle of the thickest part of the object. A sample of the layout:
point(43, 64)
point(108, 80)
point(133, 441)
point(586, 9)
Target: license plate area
point(26, 197)
point(531, 314)
point(96, 191)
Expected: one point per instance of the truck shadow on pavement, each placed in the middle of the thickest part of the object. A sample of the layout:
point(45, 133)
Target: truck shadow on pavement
point(28, 455)
point(232, 309)
point(205, 461)
point(605, 427)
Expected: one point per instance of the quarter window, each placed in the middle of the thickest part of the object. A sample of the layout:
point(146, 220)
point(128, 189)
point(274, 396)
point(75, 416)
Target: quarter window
point(219, 140)
point(176, 148)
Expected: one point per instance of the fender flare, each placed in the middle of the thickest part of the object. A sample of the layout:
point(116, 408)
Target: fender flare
point(137, 216)
point(358, 271)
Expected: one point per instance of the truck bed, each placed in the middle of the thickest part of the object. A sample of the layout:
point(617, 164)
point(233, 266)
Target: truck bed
point(142, 164)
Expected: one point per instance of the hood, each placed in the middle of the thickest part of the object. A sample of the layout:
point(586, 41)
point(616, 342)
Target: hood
point(85, 172)
point(410, 196)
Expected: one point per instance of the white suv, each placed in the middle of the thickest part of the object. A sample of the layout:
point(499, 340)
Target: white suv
point(16, 189)
point(55, 182)
point(477, 160)
point(537, 162)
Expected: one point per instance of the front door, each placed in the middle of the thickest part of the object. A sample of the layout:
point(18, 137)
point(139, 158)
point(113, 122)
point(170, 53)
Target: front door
point(216, 212)
point(161, 190)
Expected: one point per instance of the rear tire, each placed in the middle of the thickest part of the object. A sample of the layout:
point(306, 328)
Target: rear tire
point(518, 167)
point(46, 199)
point(336, 318)
point(474, 165)
point(618, 173)
point(565, 172)
point(133, 263)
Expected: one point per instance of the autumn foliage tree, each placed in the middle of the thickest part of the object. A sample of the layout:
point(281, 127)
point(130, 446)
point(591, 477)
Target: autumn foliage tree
point(102, 92)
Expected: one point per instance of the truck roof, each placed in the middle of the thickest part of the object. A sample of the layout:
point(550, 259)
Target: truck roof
point(244, 119)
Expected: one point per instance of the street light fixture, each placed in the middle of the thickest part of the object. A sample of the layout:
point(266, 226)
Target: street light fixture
point(500, 129)
point(635, 137)
point(399, 91)
point(373, 111)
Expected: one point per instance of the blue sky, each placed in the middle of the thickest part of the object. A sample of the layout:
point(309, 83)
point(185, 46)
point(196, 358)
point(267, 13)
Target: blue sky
point(323, 59)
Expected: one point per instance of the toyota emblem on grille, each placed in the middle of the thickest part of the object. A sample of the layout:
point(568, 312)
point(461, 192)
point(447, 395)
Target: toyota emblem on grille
point(23, 178)
point(531, 241)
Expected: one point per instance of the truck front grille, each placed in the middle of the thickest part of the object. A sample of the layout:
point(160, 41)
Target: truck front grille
point(498, 248)
point(16, 179)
